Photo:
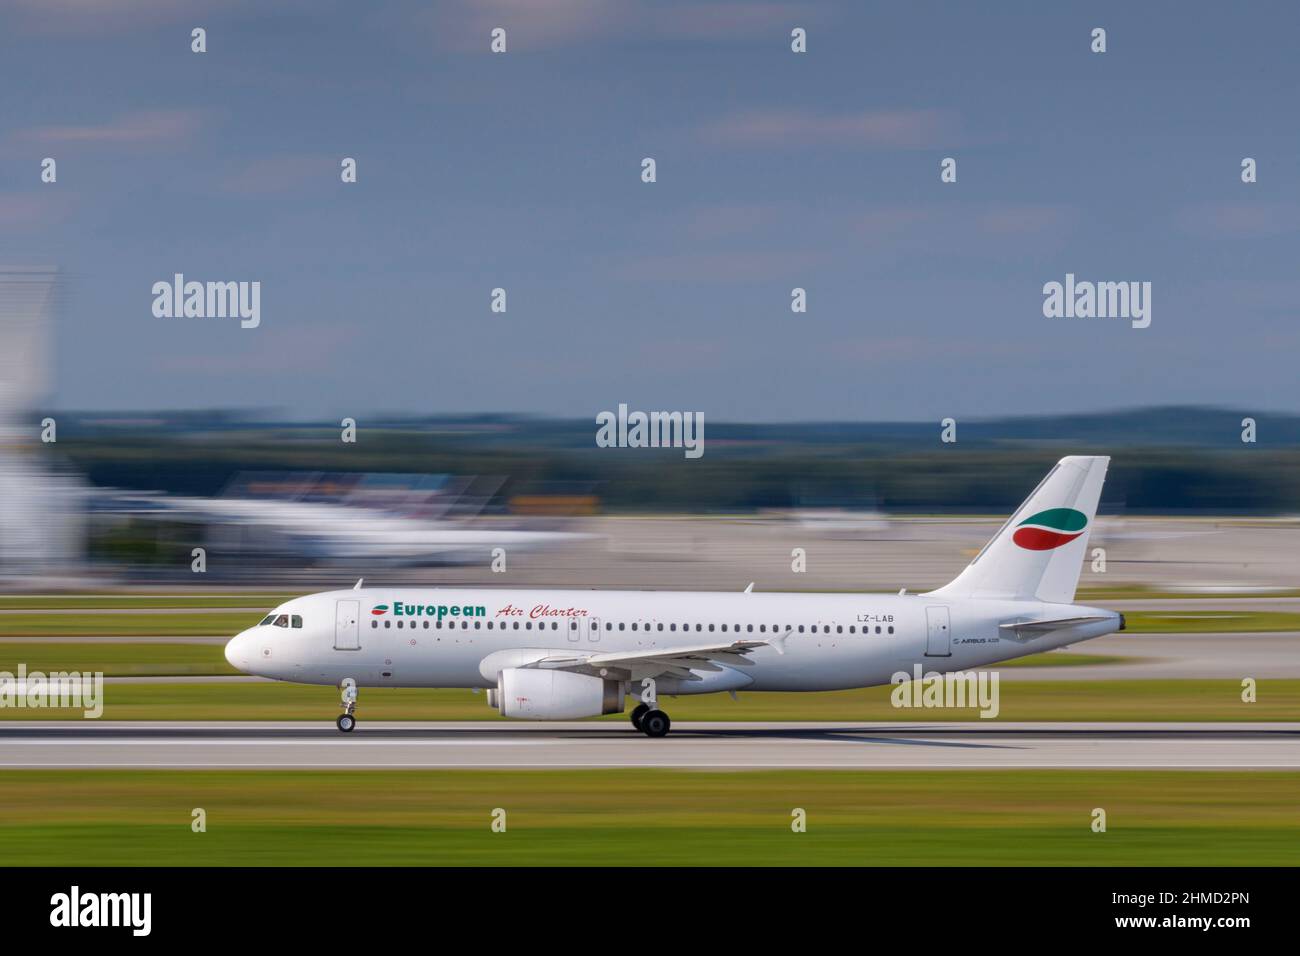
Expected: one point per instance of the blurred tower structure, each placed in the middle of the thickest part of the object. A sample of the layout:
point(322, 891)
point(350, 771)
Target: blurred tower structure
point(42, 513)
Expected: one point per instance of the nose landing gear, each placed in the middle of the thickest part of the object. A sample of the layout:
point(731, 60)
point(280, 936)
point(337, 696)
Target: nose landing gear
point(346, 721)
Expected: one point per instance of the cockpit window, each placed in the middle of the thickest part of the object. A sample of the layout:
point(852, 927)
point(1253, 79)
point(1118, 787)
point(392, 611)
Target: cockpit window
point(281, 620)
point(267, 620)
point(297, 620)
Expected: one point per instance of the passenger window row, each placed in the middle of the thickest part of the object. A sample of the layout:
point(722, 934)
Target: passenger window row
point(610, 625)
point(750, 628)
point(464, 625)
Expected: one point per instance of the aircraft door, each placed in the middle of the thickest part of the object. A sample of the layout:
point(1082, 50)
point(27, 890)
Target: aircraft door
point(938, 632)
point(347, 626)
point(593, 632)
point(575, 629)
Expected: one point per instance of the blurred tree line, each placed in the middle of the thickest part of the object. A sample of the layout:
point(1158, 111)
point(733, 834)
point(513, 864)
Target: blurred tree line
point(733, 475)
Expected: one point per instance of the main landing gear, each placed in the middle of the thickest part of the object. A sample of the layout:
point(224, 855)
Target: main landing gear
point(650, 720)
point(346, 721)
point(655, 723)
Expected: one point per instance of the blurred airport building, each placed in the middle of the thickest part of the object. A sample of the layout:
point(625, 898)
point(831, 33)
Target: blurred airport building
point(42, 503)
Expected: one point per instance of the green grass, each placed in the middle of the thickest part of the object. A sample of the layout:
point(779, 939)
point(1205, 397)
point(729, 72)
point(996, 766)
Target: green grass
point(89, 624)
point(151, 659)
point(1088, 700)
point(1060, 659)
point(1214, 622)
point(1141, 592)
point(649, 817)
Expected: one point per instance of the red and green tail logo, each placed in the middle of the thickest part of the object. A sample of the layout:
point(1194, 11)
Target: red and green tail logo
point(1050, 529)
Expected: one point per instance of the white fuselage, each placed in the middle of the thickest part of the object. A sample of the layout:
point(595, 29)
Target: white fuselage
point(462, 637)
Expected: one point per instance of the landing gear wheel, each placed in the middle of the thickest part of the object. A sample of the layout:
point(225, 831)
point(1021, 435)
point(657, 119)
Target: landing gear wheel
point(346, 721)
point(655, 723)
point(639, 711)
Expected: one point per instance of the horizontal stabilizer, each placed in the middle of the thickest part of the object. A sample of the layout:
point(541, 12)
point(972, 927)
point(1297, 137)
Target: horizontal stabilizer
point(1054, 624)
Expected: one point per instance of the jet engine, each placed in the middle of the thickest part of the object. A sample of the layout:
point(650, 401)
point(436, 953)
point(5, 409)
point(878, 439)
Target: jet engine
point(537, 694)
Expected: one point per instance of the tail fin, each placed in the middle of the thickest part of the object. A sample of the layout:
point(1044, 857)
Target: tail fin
point(1038, 553)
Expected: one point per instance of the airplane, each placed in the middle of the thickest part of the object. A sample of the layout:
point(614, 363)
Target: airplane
point(340, 532)
point(564, 655)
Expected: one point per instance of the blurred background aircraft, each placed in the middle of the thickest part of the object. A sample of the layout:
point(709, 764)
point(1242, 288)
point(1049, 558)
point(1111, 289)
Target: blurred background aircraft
point(379, 520)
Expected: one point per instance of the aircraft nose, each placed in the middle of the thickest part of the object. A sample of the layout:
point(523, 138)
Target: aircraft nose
point(239, 651)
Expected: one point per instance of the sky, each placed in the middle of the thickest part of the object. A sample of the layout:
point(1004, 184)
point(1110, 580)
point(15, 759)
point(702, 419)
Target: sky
point(775, 170)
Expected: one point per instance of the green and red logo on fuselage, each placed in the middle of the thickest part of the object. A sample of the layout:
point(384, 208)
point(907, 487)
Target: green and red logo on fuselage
point(1050, 529)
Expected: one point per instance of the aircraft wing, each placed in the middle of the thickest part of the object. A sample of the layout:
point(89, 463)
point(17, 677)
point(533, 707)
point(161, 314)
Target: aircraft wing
point(674, 661)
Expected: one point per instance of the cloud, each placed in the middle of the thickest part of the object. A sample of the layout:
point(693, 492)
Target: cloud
point(1021, 219)
point(716, 266)
point(26, 210)
point(752, 241)
point(100, 17)
point(889, 350)
point(285, 173)
point(467, 25)
point(1239, 219)
point(887, 222)
point(724, 21)
point(720, 221)
point(882, 129)
point(962, 222)
point(533, 25)
point(315, 349)
point(140, 128)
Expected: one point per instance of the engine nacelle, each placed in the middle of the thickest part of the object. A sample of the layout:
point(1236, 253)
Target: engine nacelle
point(536, 694)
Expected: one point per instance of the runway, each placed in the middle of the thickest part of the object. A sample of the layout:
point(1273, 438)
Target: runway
point(693, 746)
